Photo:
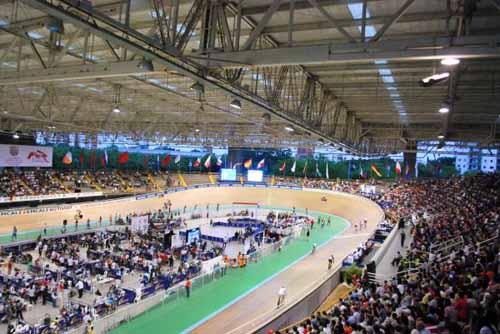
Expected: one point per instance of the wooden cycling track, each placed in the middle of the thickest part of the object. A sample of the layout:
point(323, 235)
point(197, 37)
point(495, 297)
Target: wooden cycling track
point(258, 307)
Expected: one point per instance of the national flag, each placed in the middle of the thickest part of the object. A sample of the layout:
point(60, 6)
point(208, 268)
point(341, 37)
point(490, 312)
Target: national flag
point(398, 168)
point(294, 166)
point(105, 158)
point(219, 162)
point(304, 171)
point(166, 161)
point(283, 166)
point(157, 161)
point(438, 169)
point(123, 158)
point(177, 159)
point(82, 158)
point(208, 162)
point(197, 163)
point(326, 171)
point(261, 164)
point(248, 164)
point(361, 172)
point(416, 169)
point(318, 173)
point(68, 158)
point(92, 159)
point(407, 170)
point(375, 170)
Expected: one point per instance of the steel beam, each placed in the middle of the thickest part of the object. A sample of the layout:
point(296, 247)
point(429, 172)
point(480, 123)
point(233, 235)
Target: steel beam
point(300, 5)
point(393, 20)
point(495, 3)
point(332, 20)
point(79, 72)
point(412, 49)
point(109, 29)
point(256, 32)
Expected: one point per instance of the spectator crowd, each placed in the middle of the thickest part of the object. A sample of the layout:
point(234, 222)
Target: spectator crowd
point(455, 247)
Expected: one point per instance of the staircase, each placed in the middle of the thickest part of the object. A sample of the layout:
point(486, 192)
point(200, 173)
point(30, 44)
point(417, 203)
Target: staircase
point(61, 182)
point(183, 181)
point(152, 181)
point(28, 188)
point(93, 183)
point(122, 181)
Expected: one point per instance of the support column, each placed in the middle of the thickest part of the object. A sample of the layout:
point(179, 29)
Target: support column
point(410, 160)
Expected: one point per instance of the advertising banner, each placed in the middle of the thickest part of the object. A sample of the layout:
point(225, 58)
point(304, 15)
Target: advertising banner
point(29, 198)
point(25, 156)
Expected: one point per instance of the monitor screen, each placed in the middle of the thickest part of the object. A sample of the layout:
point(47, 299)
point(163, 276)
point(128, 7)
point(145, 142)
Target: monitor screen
point(193, 235)
point(255, 176)
point(228, 174)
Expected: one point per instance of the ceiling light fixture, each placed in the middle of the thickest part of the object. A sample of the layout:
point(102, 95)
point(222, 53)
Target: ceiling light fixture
point(450, 61)
point(236, 104)
point(440, 136)
point(116, 99)
point(433, 79)
point(146, 65)
point(196, 130)
point(444, 109)
point(267, 117)
point(198, 87)
point(15, 135)
point(289, 129)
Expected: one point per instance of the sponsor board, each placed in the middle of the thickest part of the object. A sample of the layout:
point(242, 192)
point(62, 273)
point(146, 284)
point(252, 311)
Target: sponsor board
point(25, 156)
point(30, 198)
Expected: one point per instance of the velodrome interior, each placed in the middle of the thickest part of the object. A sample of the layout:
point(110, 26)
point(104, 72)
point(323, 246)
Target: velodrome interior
point(372, 127)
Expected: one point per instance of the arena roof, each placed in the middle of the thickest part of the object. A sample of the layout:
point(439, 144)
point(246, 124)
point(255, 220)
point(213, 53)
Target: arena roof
point(304, 71)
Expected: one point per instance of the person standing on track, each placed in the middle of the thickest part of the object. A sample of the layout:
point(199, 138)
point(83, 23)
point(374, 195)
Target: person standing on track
point(403, 237)
point(314, 248)
point(14, 233)
point(187, 285)
point(281, 296)
point(330, 262)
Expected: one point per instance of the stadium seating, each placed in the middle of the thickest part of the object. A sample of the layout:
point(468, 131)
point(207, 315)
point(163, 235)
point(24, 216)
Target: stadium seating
point(454, 290)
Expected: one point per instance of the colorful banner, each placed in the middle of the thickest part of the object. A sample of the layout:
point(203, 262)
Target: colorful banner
point(25, 156)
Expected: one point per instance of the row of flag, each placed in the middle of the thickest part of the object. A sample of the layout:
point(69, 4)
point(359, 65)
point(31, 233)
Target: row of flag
point(293, 169)
point(124, 157)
